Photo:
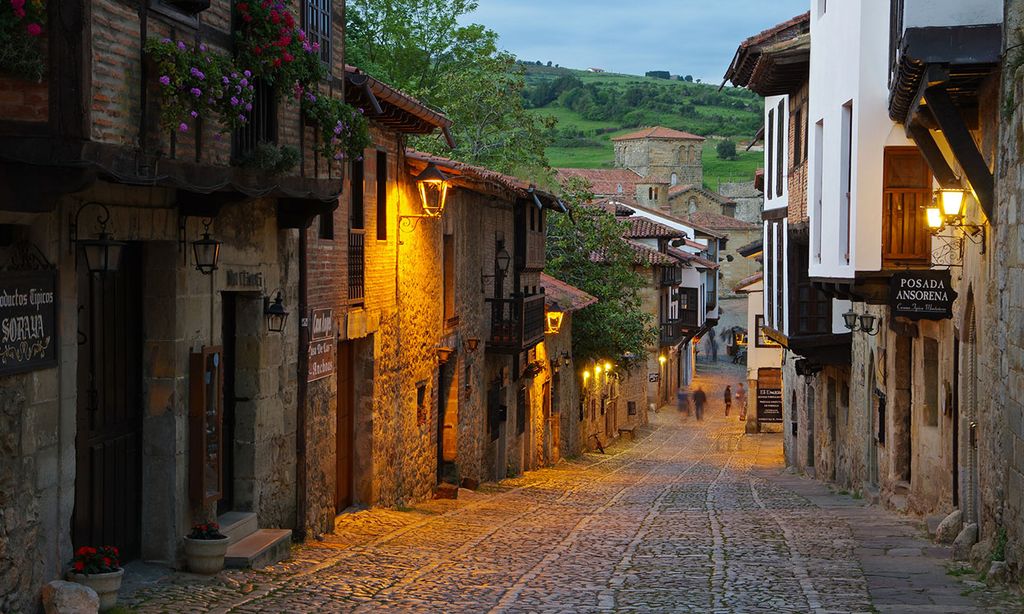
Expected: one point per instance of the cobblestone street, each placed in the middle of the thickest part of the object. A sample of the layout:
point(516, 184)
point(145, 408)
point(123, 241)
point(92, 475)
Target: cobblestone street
point(692, 517)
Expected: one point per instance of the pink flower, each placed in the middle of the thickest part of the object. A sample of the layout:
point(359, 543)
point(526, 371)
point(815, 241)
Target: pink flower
point(34, 29)
point(19, 7)
point(183, 127)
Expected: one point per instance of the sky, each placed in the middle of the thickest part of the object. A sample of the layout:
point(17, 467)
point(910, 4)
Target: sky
point(684, 37)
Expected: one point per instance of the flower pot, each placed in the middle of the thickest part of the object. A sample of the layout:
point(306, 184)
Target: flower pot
point(106, 585)
point(206, 556)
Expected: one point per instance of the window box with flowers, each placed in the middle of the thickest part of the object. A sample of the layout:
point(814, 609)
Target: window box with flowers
point(205, 548)
point(269, 42)
point(344, 130)
point(99, 569)
point(196, 83)
point(22, 47)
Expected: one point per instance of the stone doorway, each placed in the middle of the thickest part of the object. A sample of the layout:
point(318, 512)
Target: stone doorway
point(108, 485)
point(872, 425)
point(345, 428)
point(448, 421)
point(229, 341)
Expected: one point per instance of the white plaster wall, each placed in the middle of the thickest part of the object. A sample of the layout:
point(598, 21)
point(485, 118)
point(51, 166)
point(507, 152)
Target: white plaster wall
point(771, 201)
point(849, 58)
point(758, 358)
point(921, 13)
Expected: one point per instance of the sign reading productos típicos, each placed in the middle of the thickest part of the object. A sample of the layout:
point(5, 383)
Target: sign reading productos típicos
point(28, 321)
point(922, 295)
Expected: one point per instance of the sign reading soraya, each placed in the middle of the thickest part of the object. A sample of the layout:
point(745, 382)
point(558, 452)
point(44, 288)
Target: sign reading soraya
point(922, 295)
point(28, 321)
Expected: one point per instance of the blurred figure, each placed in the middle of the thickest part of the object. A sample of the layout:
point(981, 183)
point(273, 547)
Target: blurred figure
point(741, 400)
point(728, 399)
point(699, 400)
point(683, 401)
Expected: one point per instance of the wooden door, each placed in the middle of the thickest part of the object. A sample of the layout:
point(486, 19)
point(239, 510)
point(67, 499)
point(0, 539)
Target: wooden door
point(345, 443)
point(108, 444)
point(229, 333)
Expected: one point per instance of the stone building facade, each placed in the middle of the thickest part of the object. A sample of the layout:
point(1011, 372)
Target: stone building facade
point(106, 441)
point(669, 156)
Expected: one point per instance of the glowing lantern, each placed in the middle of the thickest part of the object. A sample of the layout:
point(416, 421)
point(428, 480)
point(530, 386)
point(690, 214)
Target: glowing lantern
point(433, 185)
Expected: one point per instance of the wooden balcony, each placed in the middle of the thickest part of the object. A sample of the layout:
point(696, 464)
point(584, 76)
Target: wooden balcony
point(672, 332)
point(517, 324)
point(671, 276)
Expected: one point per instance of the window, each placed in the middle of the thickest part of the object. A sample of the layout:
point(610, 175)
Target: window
point(769, 147)
point(906, 192)
point(262, 125)
point(780, 144)
point(448, 272)
point(762, 340)
point(798, 128)
point(533, 217)
point(846, 183)
point(931, 381)
point(780, 272)
point(382, 196)
point(318, 27)
point(819, 135)
point(675, 178)
point(688, 306)
point(813, 307)
point(327, 226)
point(358, 218)
point(822, 7)
point(631, 408)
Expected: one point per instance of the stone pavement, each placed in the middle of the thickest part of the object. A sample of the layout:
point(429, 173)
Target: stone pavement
point(692, 517)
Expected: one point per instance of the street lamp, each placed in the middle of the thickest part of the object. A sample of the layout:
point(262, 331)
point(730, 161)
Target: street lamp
point(553, 316)
point(206, 250)
point(275, 313)
point(865, 322)
point(102, 254)
point(433, 186)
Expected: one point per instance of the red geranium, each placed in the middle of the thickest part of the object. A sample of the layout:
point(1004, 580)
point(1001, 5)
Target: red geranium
point(90, 560)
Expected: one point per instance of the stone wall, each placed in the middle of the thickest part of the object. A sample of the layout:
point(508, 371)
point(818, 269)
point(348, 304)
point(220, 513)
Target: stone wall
point(739, 268)
point(749, 200)
point(661, 158)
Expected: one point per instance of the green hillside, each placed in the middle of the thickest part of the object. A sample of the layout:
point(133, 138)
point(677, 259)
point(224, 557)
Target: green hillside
point(592, 108)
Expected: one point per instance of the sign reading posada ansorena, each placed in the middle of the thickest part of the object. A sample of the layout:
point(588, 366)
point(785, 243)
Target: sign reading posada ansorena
point(922, 295)
point(28, 321)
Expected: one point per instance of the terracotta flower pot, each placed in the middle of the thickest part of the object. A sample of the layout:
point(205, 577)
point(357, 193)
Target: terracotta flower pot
point(106, 585)
point(206, 556)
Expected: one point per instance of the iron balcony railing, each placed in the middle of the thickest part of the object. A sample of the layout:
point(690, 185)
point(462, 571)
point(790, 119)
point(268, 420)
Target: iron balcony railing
point(356, 265)
point(517, 323)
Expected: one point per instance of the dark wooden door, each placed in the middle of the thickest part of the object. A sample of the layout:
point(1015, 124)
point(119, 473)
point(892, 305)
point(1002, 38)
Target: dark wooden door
point(345, 428)
point(229, 333)
point(443, 381)
point(109, 411)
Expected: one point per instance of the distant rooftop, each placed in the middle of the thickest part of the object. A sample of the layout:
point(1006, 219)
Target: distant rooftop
point(658, 132)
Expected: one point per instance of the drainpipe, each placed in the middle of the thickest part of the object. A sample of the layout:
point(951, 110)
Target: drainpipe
point(302, 390)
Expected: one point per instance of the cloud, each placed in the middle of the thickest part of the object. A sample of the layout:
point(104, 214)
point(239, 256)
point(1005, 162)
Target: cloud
point(696, 37)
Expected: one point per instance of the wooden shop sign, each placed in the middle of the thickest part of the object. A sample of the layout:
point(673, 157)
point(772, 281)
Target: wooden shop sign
point(922, 295)
point(28, 321)
point(321, 345)
point(653, 377)
point(769, 396)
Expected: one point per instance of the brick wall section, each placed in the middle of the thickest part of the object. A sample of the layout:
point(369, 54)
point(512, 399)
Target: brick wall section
point(116, 100)
point(797, 180)
point(23, 100)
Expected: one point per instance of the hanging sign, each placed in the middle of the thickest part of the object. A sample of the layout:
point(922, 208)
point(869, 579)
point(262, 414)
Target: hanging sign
point(28, 321)
point(769, 396)
point(922, 295)
point(321, 345)
point(653, 377)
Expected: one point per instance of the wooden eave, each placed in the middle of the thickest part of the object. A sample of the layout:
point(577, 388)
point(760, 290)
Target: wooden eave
point(392, 108)
point(74, 165)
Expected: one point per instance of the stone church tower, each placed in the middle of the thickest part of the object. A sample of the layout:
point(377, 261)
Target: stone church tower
point(662, 155)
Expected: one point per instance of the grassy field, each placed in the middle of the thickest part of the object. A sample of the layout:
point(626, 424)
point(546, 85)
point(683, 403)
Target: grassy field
point(722, 104)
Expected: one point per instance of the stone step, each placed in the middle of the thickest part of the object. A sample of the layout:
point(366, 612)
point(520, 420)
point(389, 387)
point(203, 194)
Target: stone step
point(898, 503)
point(238, 525)
point(259, 549)
point(901, 488)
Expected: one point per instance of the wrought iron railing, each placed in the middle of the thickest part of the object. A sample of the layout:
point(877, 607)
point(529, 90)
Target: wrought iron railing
point(517, 323)
point(356, 265)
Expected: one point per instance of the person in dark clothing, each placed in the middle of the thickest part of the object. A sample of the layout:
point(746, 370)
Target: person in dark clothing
point(728, 399)
point(683, 401)
point(699, 400)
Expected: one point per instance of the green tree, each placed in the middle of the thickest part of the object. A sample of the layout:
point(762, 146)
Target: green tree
point(726, 150)
point(420, 47)
point(588, 251)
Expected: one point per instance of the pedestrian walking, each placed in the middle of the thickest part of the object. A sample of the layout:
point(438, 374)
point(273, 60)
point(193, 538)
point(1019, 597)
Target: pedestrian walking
point(728, 399)
point(741, 400)
point(683, 401)
point(699, 400)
